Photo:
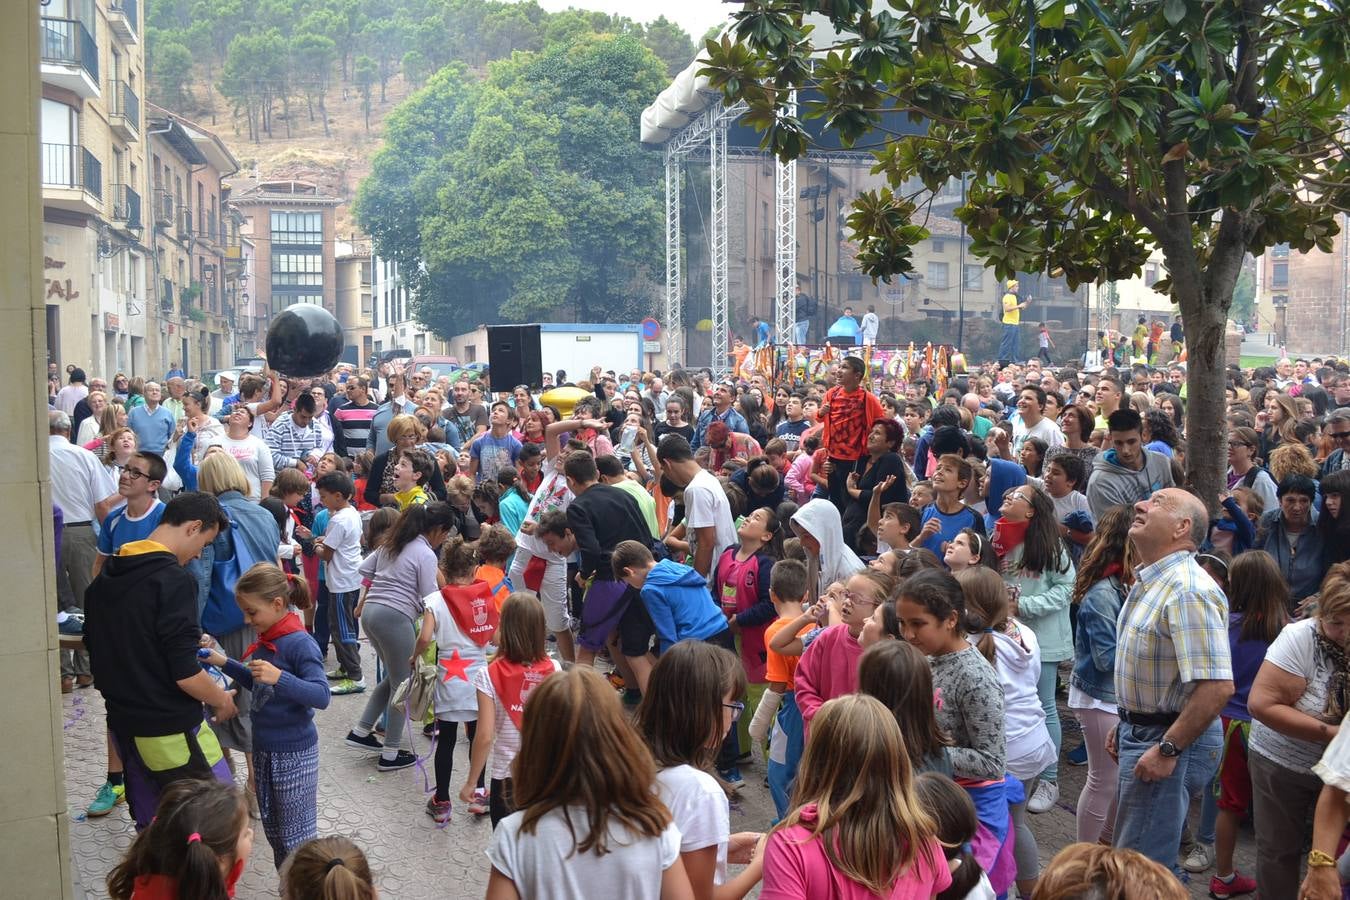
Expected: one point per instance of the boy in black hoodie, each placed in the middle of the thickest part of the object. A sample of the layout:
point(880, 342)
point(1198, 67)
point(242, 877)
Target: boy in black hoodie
point(142, 635)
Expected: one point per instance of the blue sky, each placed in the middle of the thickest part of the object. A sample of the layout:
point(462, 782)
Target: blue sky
point(695, 16)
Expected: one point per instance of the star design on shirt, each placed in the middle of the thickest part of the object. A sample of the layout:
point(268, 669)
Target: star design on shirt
point(455, 667)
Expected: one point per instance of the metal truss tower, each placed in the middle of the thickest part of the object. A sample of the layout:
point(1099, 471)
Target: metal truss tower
point(785, 246)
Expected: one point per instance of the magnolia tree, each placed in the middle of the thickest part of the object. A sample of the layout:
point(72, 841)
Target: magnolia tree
point(1089, 134)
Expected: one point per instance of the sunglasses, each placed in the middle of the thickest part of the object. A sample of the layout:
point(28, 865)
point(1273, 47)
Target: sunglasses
point(1338, 435)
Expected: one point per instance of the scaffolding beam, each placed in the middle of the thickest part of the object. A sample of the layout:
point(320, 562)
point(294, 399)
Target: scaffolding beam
point(674, 315)
point(785, 245)
point(717, 239)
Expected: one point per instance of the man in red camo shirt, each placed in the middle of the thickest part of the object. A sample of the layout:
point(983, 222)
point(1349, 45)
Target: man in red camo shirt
point(847, 413)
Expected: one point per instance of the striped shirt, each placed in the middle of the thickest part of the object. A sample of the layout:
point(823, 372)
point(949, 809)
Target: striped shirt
point(351, 428)
point(1172, 632)
point(291, 444)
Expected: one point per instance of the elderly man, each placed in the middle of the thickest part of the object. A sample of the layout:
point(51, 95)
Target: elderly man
point(723, 410)
point(1173, 675)
point(177, 387)
point(85, 491)
point(153, 423)
point(223, 393)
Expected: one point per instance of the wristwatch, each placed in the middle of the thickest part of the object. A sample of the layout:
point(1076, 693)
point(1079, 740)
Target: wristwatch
point(1169, 749)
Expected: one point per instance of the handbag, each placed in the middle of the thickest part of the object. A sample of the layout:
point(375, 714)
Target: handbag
point(415, 693)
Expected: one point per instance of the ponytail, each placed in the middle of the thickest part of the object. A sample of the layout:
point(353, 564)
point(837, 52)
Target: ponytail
point(267, 581)
point(418, 519)
point(196, 827)
point(327, 868)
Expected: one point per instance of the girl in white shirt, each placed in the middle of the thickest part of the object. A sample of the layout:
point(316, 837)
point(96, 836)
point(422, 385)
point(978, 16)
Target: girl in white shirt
point(589, 816)
point(691, 703)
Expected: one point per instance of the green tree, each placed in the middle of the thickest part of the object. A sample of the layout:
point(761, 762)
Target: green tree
point(382, 39)
point(171, 75)
point(254, 76)
point(365, 73)
point(414, 66)
point(670, 42)
point(1090, 135)
point(312, 56)
point(523, 197)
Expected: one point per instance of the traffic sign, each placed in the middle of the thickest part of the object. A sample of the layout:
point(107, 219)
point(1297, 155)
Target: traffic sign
point(651, 329)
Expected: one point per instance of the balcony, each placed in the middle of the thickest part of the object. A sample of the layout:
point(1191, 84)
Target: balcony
point(124, 19)
point(185, 223)
point(124, 111)
point(69, 56)
point(163, 207)
point(72, 179)
point(126, 206)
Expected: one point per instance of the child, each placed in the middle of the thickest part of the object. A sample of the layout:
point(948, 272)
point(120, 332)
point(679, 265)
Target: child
point(579, 824)
point(1015, 654)
point(411, 474)
point(855, 783)
point(787, 589)
point(741, 582)
point(894, 524)
point(288, 684)
point(899, 676)
point(339, 547)
point(462, 619)
point(1036, 565)
point(947, 514)
point(1258, 601)
point(921, 495)
point(675, 596)
point(957, 824)
point(514, 501)
point(798, 478)
point(1072, 512)
point(932, 617)
point(197, 846)
point(691, 705)
point(968, 549)
point(327, 868)
point(818, 526)
point(529, 466)
point(1235, 530)
point(829, 666)
point(495, 547)
point(522, 663)
point(361, 464)
point(487, 498)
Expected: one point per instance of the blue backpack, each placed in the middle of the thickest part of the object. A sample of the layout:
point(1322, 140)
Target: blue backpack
point(222, 615)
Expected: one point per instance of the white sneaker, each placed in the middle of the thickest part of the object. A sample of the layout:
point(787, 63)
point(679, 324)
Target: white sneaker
point(1044, 798)
point(1200, 859)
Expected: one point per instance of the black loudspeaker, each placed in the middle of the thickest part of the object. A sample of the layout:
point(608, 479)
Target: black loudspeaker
point(514, 357)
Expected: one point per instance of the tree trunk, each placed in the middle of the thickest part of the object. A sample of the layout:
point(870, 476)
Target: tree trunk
point(323, 114)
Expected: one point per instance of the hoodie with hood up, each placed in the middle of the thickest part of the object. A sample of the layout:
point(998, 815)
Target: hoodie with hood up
point(1112, 484)
point(820, 519)
point(141, 631)
point(681, 607)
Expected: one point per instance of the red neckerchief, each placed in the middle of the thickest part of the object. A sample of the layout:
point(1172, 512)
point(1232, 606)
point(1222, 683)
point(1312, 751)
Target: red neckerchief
point(513, 683)
point(289, 624)
point(475, 613)
point(165, 887)
point(1008, 535)
point(1114, 569)
point(534, 573)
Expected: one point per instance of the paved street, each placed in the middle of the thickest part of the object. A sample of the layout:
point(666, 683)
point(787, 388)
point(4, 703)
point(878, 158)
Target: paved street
point(411, 856)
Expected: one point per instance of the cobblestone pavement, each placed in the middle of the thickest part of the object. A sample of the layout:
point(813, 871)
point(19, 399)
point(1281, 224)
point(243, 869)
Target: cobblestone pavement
point(412, 858)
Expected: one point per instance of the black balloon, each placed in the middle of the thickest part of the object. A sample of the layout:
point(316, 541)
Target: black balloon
point(304, 340)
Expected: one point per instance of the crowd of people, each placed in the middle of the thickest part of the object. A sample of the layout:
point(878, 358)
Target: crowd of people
point(886, 595)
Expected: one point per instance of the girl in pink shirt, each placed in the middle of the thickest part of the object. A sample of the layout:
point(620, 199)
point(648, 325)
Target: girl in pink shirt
point(856, 830)
point(829, 667)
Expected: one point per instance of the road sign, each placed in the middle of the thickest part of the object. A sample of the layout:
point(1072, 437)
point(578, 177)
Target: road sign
point(651, 329)
point(651, 346)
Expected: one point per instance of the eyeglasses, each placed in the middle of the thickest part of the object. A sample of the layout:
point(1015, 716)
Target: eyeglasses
point(1232, 444)
point(737, 708)
point(134, 474)
point(855, 597)
point(1023, 497)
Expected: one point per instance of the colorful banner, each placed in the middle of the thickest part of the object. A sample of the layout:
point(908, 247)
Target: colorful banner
point(893, 363)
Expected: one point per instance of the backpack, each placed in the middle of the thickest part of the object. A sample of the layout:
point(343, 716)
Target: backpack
point(1252, 474)
point(225, 574)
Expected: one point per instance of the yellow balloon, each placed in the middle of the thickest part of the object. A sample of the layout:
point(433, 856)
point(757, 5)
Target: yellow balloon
point(704, 325)
point(564, 399)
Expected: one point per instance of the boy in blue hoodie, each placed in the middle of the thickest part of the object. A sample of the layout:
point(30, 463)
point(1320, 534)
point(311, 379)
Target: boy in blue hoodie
point(676, 597)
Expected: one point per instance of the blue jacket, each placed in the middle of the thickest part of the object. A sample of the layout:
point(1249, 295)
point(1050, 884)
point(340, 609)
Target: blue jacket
point(1304, 569)
point(283, 713)
point(680, 605)
point(258, 529)
point(733, 419)
point(1094, 655)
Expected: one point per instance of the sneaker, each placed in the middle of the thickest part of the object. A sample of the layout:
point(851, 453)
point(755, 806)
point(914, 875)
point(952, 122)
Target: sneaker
point(1044, 798)
point(479, 804)
point(370, 743)
point(107, 797)
point(1077, 756)
point(337, 674)
point(439, 810)
point(429, 729)
point(347, 686)
point(732, 777)
point(401, 761)
point(1241, 884)
point(1199, 859)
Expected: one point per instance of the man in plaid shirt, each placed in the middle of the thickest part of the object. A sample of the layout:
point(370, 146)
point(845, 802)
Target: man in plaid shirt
point(295, 439)
point(1173, 676)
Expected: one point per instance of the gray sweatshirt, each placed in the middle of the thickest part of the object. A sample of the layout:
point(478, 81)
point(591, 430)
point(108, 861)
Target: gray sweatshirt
point(1112, 484)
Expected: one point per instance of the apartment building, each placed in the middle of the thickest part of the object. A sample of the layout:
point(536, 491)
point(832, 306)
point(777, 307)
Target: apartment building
point(188, 279)
point(392, 324)
point(354, 301)
point(1304, 298)
point(96, 251)
point(291, 226)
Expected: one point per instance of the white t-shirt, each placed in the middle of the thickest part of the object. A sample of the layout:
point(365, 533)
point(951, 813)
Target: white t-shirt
point(552, 494)
point(705, 503)
point(252, 455)
point(1295, 651)
point(343, 536)
point(1045, 429)
point(506, 744)
point(700, 810)
point(1072, 502)
point(545, 865)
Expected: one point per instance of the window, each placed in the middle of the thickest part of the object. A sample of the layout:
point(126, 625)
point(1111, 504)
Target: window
point(419, 344)
point(297, 269)
point(282, 301)
point(937, 275)
point(297, 228)
point(1279, 274)
point(855, 288)
point(973, 278)
point(1150, 274)
point(939, 246)
point(471, 353)
point(1279, 251)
